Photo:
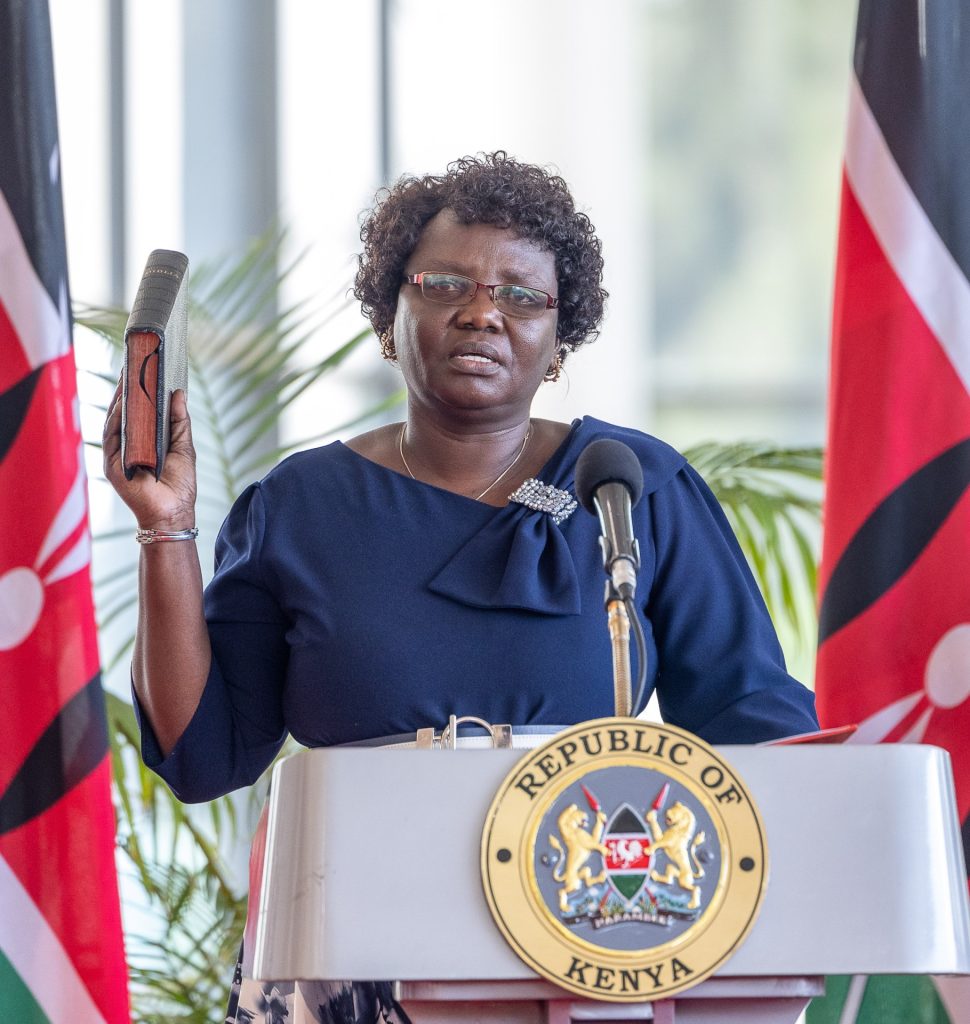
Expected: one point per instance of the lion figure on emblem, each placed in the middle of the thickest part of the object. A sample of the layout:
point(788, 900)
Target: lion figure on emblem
point(676, 843)
point(572, 869)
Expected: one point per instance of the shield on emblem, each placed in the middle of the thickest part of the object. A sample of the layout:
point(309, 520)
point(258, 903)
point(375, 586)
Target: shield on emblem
point(628, 862)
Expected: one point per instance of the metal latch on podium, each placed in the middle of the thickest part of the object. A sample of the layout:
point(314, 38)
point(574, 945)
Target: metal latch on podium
point(447, 739)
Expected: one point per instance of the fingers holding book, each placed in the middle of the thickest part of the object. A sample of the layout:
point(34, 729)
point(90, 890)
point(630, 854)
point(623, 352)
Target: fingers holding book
point(165, 503)
point(149, 457)
point(155, 361)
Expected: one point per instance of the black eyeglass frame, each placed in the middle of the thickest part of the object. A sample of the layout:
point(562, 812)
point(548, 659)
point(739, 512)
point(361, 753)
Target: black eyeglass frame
point(418, 279)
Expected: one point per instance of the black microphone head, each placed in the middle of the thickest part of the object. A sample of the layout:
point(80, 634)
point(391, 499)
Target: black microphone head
point(607, 461)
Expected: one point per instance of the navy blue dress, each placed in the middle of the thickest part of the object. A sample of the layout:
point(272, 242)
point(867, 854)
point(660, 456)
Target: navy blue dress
point(352, 602)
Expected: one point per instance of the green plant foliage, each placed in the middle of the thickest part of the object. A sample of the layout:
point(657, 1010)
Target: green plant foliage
point(772, 498)
point(183, 974)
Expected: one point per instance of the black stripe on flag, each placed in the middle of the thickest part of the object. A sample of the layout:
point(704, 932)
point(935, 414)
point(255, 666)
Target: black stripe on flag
point(14, 403)
point(893, 537)
point(69, 749)
point(29, 154)
point(912, 60)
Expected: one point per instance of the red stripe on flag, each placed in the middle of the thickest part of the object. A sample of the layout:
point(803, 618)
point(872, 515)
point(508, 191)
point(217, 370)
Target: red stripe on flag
point(895, 399)
point(64, 857)
point(894, 579)
point(65, 861)
point(59, 653)
point(57, 818)
point(883, 654)
point(896, 403)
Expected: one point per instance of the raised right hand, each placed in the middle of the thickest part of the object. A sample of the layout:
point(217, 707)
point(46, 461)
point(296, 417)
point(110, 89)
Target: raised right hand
point(169, 502)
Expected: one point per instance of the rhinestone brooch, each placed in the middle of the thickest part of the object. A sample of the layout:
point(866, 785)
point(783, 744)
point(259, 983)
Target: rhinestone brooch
point(542, 497)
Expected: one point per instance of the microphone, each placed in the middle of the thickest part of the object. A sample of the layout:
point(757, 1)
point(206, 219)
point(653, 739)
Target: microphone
point(609, 482)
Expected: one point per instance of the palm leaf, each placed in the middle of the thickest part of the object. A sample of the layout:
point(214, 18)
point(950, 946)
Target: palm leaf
point(182, 973)
point(772, 498)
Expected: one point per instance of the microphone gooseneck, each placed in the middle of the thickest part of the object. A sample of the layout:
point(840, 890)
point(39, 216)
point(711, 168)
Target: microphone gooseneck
point(609, 483)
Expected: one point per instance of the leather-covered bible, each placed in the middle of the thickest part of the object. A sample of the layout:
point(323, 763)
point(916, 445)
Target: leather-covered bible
point(155, 363)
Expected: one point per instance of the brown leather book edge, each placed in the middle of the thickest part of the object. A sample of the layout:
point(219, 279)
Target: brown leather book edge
point(141, 427)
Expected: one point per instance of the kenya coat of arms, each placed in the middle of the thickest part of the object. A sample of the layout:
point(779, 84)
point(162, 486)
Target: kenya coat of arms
point(624, 860)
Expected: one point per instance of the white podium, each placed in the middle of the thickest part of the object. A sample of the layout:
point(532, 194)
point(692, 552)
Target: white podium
point(371, 871)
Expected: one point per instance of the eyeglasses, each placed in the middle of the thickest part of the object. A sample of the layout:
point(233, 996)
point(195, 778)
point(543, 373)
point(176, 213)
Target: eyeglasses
point(511, 299)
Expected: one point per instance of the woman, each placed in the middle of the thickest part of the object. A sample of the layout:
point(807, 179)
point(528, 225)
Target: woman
point(367, 589)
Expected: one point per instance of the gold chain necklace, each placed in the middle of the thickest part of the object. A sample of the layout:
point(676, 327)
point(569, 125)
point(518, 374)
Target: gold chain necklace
point(505, 472)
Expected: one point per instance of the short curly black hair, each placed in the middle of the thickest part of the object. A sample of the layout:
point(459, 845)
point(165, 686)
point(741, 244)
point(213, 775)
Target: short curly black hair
point(491, 188)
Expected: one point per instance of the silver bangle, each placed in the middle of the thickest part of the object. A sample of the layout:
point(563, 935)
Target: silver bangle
point(157, 536)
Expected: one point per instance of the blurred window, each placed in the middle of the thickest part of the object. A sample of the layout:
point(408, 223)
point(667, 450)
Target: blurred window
point(747, 107)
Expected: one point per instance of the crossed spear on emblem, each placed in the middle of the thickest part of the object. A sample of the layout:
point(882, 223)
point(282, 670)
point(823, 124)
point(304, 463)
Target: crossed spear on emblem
point(594, 805)
point(658, 800)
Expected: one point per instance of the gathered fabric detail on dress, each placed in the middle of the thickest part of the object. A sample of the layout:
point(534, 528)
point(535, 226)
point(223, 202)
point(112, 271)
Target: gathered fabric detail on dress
point(520, 558)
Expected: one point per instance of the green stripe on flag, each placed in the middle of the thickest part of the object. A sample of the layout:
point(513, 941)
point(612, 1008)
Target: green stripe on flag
point(16, 1001)
point(888, 999)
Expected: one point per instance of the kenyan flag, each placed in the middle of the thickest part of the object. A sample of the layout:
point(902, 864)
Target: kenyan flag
point(894, 630)
point(61, 955)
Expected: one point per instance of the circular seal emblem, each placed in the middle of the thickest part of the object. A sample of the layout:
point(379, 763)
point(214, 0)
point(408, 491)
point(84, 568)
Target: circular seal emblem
point(624, 861)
